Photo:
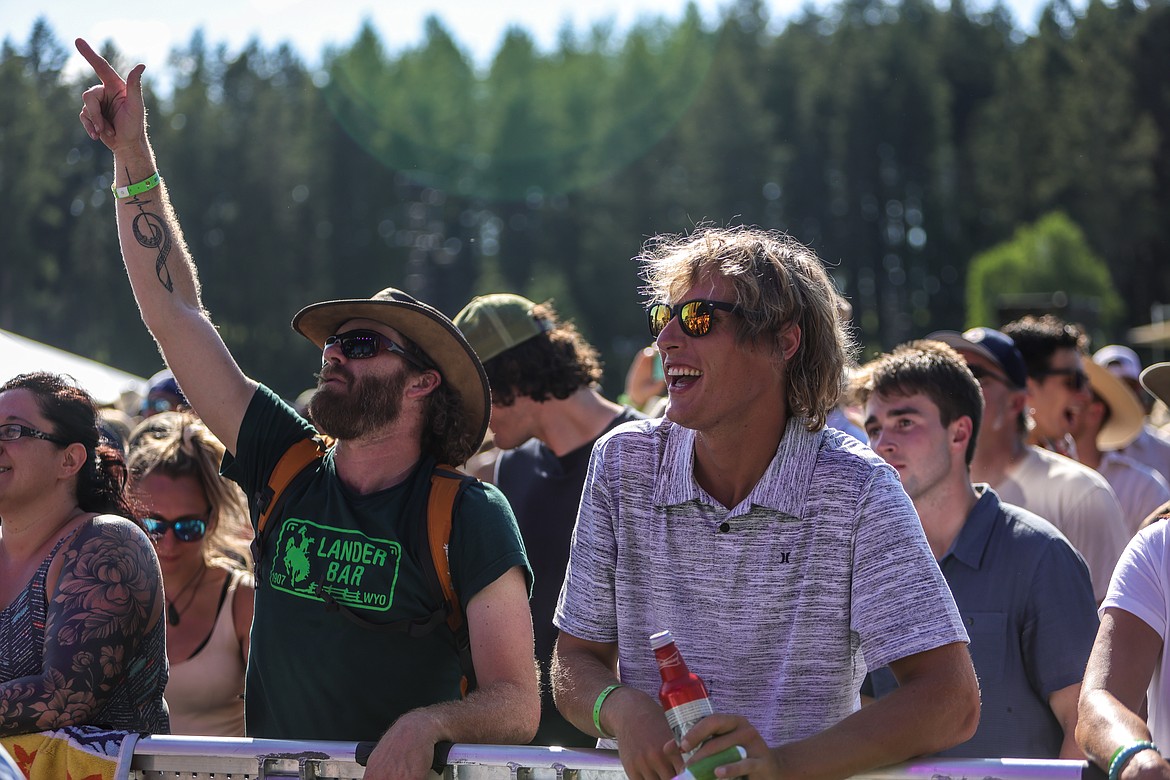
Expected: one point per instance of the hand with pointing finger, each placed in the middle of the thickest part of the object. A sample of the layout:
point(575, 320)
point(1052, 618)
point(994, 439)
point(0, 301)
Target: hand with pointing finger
point(113, 111)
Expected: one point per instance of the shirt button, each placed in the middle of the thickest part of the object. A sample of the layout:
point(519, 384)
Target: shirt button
point(724, 527)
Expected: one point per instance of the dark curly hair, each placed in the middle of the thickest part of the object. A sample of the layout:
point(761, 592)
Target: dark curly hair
point(1038, 338)
point(554, 364)
point(101, 482)
point(446, 436)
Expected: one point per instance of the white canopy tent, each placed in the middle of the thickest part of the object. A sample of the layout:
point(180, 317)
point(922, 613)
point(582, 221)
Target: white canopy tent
point(19, 355)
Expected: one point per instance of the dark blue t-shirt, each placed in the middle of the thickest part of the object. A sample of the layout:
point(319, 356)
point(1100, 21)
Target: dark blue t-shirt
point(545, 491)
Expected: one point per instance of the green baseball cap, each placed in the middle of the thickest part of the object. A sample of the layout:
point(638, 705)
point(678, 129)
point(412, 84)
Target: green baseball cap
point(495, 323)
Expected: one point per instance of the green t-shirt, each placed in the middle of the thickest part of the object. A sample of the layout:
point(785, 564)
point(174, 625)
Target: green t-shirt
point(313, 672)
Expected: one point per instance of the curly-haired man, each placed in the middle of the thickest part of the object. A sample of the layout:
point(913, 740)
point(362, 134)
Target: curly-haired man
point(546, 414)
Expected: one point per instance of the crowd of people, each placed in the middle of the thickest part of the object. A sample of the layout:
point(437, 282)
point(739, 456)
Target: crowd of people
point(957, 548)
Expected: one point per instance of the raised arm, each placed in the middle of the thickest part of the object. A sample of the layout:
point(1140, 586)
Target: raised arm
point(107, 596)
point(158, 263)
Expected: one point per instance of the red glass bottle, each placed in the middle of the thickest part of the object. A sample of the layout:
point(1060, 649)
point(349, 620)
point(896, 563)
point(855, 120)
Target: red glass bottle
point(683, 694)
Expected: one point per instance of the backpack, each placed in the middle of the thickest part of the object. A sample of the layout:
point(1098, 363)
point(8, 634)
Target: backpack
point(447, 484)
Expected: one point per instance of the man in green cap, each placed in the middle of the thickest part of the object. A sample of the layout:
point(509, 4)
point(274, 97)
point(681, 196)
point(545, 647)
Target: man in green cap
point(546, 414)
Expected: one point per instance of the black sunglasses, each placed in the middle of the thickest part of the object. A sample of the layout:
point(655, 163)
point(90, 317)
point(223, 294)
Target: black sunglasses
point(361, 344)
point(14, 431)
point(186, 529)
point(1075, 379)
point(693, 316)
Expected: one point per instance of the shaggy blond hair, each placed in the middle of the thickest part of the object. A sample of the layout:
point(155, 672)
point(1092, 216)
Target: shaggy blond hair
point(778, 281)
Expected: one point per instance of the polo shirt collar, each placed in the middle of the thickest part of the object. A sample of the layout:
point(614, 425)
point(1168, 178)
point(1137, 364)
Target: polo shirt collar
point(971, 544)
point(783, 487)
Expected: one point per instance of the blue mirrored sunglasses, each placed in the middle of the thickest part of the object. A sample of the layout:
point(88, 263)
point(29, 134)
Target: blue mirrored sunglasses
point(186, 529)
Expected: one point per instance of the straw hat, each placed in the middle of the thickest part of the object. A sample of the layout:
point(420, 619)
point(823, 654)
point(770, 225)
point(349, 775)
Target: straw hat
point(1126, 415)
point(423, 324)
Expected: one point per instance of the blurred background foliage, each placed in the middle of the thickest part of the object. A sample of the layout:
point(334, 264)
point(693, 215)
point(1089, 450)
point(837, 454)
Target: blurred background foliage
point(1050, 258)
point(943, 163)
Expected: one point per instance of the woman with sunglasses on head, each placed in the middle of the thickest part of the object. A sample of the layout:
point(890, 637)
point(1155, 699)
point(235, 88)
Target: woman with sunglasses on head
point(199, 524)
point(82, 629)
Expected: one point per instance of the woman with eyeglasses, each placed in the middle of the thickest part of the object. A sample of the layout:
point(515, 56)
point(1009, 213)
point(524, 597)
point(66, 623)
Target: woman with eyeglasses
point(199, 524)
point(82, 626)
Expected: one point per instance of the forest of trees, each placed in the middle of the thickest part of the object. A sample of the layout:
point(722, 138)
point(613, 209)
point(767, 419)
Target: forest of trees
point(897, 139)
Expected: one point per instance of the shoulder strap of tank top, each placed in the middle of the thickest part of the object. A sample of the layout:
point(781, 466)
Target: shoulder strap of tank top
point(42, 572)
point(223, 594)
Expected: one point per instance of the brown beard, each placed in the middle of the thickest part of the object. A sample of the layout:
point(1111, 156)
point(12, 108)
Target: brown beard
point(370, 402)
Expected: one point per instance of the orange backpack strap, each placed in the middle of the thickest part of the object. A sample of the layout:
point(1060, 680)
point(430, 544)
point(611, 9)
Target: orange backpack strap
point(446, 484)
point(291, 463)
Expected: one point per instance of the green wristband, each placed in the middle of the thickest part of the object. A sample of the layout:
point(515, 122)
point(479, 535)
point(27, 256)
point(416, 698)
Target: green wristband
point(130, 190)
point(1123, 754)
point(601, 697)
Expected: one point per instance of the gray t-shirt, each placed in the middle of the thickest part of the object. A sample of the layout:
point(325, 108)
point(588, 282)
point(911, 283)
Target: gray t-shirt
point(779, 603)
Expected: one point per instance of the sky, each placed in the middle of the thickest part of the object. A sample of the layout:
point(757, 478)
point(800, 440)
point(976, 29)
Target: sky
point(147, 32)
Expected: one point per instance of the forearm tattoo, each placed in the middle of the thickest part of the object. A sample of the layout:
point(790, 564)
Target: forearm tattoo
point(108, 589)
point(150, 231)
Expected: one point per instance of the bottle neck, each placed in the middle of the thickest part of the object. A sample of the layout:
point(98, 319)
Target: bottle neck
point(670, 662)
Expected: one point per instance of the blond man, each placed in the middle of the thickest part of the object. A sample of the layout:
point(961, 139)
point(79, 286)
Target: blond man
point(764, 540)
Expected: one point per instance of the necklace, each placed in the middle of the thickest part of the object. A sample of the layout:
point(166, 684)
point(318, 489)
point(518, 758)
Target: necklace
point(173, 612)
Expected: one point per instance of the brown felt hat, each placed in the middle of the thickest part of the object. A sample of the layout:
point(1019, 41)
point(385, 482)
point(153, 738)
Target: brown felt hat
point(1156, 379)
point(426, 326)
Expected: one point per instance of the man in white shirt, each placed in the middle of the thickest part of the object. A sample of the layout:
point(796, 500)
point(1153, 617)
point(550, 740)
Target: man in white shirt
point(1152, 445)
point(1101, 428)
point(1128, 674)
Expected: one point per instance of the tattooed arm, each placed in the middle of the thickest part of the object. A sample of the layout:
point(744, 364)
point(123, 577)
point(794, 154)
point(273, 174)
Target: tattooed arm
point(158, 262)
point(107, 596)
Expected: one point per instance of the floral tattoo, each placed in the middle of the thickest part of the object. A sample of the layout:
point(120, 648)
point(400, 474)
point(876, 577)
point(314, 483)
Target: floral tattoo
point(108, 590)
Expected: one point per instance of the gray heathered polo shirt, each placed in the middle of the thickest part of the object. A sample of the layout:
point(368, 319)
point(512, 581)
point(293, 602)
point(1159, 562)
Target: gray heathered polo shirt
point(778, 603)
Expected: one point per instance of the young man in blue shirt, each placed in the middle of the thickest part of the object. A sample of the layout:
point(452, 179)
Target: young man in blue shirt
point(1023, 591)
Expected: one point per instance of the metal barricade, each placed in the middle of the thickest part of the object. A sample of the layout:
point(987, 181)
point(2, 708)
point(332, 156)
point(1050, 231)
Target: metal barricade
point(219, 758)
point(231, 758)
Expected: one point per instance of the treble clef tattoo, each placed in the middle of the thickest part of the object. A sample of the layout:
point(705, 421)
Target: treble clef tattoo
point(151, 232)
